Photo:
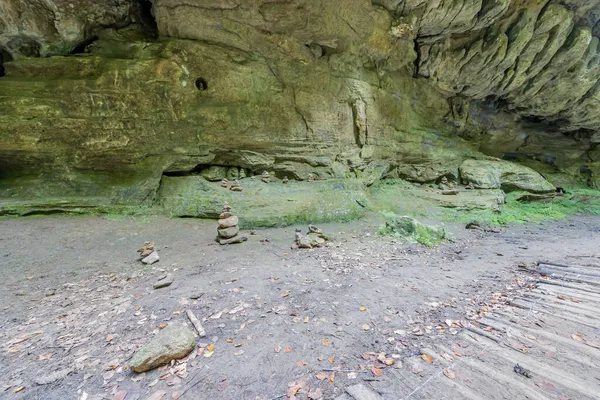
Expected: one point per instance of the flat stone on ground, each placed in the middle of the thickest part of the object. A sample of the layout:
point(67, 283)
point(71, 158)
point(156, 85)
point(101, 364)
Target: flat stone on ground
point(151, 259)
point(174, 342)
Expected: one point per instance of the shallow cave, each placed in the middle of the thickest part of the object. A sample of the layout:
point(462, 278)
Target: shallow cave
point(81, 47)
point(146, 18)
point(5, 56)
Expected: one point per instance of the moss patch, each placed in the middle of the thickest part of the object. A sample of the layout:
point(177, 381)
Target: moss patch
point(411, 230)
point(578, 201)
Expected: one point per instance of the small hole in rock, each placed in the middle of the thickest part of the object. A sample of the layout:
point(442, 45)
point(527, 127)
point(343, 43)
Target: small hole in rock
point(201, 84)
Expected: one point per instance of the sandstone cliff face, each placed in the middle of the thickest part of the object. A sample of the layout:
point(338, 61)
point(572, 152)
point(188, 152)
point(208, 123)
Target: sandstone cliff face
point(343, 88)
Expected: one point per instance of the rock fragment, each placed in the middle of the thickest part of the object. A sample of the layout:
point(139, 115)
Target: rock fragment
point(164, 281)
point(173, 342)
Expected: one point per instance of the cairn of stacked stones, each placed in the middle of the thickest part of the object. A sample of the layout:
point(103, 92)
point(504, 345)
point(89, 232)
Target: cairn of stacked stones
point(224, 183)
point(235, 186)
point(311, 177)
point(148, 253)
point(266, 177)
point(228, 230)
point(285, 180)
point(314, 238)
point(446, 187)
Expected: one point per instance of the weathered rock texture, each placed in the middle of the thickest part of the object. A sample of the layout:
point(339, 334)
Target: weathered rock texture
point(369, 89)
point(173, 342)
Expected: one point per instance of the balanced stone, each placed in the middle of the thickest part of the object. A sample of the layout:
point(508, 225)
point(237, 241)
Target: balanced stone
point(311, 177)
point(228, 222)
point(285, 179)
point(224, 183)
point(228, 233)
point(235, 186)
point(266, 177)
point(228, 230)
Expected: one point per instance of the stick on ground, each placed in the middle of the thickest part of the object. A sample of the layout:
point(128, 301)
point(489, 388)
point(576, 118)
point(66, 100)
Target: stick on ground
point(196, 323)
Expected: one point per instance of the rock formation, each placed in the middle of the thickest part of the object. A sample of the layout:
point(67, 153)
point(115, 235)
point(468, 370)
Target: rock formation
point(228, 230)
point(235, 186)
point(313, 238)
point(148, 253)
point(101, 102)
point(266, 177)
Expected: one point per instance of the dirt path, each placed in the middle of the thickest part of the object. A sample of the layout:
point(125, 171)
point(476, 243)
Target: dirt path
point(77, 304)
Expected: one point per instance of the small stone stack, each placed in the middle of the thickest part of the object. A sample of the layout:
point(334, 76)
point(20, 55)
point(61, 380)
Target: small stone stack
point(314, 238)
point(235, 186)
point(224, 183)
point(148, 254)
point(228, 230)
point(266, 177)
point(285, 180)
point(311, 177)
point(447, 187)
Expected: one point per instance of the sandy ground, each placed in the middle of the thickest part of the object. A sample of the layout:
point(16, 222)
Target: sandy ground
point(76, 303)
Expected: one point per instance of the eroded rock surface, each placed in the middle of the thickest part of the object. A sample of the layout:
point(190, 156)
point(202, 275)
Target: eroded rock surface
point(173, 342)
point(232, 89)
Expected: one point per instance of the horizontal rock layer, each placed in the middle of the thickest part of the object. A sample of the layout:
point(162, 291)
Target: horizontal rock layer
point(356, 88)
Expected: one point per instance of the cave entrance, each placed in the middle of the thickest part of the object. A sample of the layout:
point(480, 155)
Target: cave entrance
point(146, 17)
point(5, 56)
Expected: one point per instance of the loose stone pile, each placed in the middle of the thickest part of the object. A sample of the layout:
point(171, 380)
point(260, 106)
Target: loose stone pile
point(148, 253)
point(447, 187)
point(266, 177)
point(228, 229)
point(314, 238)
point(235, 186)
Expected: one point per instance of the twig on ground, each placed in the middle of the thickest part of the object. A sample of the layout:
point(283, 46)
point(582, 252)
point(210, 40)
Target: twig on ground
point(344, 370)
point(196, 323)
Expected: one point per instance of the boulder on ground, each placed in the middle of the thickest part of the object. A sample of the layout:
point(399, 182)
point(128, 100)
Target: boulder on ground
point(499, 174)
point(174, 342)
point(411, 230)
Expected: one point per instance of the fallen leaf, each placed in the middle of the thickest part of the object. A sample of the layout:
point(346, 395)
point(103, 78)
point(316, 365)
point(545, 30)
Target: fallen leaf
point(109, 338)
point(286, 294)
point(17, 390)
point(300, 364)
point(560, 297)
point(291, 393)
point(120, 395)
point(230, 340)
point(162, 326)
point(158, 395)
point(448, 357)
point(45, 357)
point(331, 359)
point(287, 349)
point(175, 395)
point(377, 371)
point(363, 309)
point(577, 337)
point(211, 347)
point(365, 327)
point(322, 376)
point(325, 342)
point(277, 348)
point(332, 377)
point(449, 374)
point(427, 358)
